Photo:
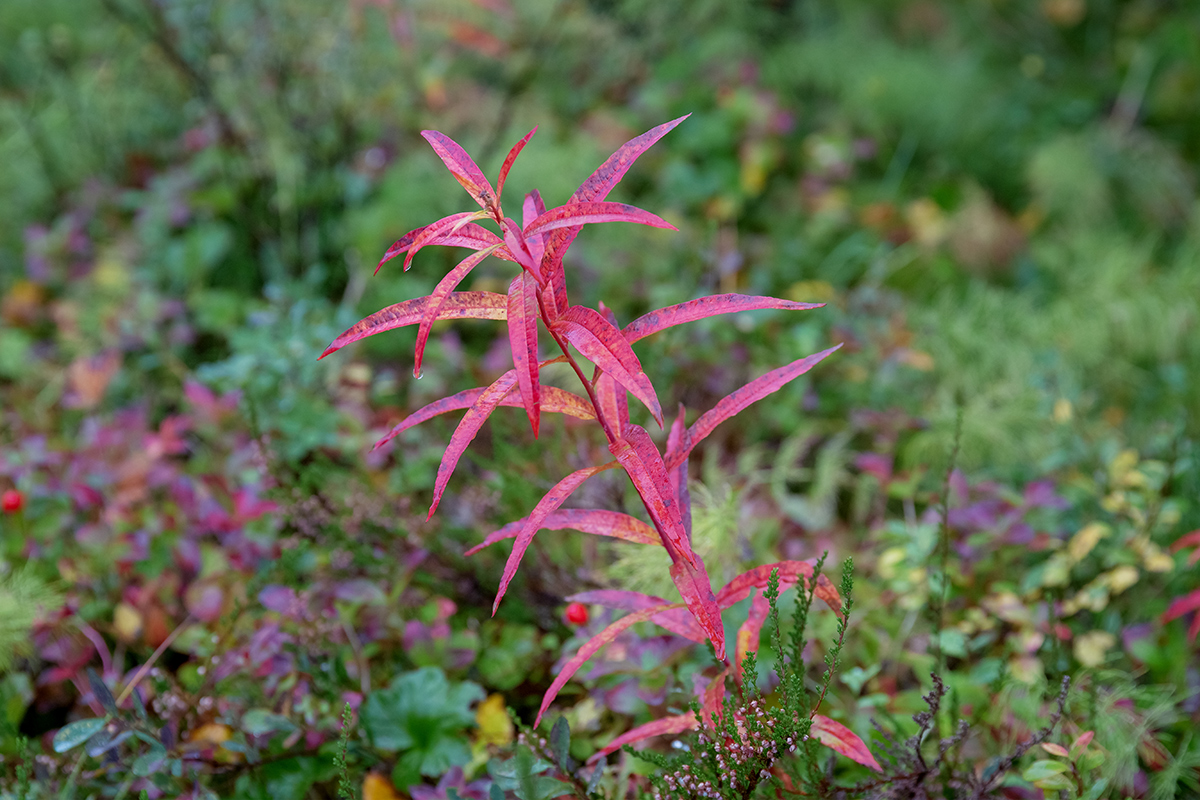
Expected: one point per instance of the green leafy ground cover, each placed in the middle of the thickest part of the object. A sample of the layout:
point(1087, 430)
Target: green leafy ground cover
point(996, 200)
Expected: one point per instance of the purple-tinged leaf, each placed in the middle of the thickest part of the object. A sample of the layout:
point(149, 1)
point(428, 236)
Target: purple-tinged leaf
point(532, 208)
point(640, 458)
point(601, 343)
point(438, 297)
point(554, 400)
point(790, 572)
point(677, 440)
point(514, 239)
point(659, 727)
point(510, 158)
point(437, 232)
point(597, 187)
point(476, 237)
point(459, 305)
point(611, 397)
point(735, 402)
point(695, 587)
point(678, 621)
point(463, 168)
point(467, 428)
point(841, 739)
point(522, 338)
point(546, 506)
point(573, 215)
point(596, 521)
point(703, 308)
point(748, 634)
point(589, 649)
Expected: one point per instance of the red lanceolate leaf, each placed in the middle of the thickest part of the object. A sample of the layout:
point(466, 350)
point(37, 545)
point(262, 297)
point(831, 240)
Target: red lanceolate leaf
point(589, 520)
point(601, 343)
point(440, 292)
point(748, 633)
point(1182, 605)
point(575, 214)
point(790, 572)
point(642, 461)
point(532, 208)
point(677, 620)
point(713, 705)
point(611, 398)
point(522, 338)
point(554, 400)
point(838, 737)
point(677, 440)
point(755, 390)
point(437, 232)
point(694, 586)
point(458, 305)
point(589, 649)
point(659, 727)
point(517, 245)
point(464, 169)
point(705, 307)
point(545, 507)
point(596, 188)
point(510, 158)
point(470, 235)
point(467, 428)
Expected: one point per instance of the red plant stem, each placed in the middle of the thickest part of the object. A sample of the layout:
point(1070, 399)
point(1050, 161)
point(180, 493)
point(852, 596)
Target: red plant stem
point(587, 385)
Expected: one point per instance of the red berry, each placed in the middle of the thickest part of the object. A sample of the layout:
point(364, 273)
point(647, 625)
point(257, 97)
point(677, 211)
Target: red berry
point(13, 501)
point(577, 614)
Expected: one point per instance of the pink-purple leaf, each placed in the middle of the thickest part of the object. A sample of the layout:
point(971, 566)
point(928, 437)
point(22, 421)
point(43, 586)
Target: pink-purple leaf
point(589, 649)
point(458, 305)
point(514, 239)
point(695, 587)
point(705, 307)
point(677, 440)
point(749, 632)
point(601, 343)
point(476, 237)
point(438, 297)
point(554, 400)
point(841, 739)
point(522, 338)
point(575, 214)
point(738, 400)
point(640, 458)
point(659, 727)
point(510, 158)
point(463, 168)
point(677, 620)
point(467, 428)
point(790, 572)
point(531, 209)
point(545, 507)
point(437, 232)
point(589, 520)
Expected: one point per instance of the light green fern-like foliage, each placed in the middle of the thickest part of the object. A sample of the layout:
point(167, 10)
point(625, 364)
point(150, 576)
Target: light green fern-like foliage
point(23, 598)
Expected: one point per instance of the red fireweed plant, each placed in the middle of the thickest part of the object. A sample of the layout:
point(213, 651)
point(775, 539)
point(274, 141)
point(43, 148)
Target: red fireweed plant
point(537, 298)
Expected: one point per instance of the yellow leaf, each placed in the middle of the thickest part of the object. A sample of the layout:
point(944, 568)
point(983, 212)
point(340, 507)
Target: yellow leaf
point(1063, 410)
point(1092, 647)
point(1155, 560)
point(377, 787)
point(1122, 464)
point(127, 622)
point(210, 734)
point(1121, 578)
point(1086, 539)
point(495, 727)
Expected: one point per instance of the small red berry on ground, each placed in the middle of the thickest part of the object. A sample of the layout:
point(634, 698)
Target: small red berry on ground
point(13, 501)
point(577, 614)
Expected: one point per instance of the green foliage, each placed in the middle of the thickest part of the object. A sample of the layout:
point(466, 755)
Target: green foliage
point(24, 597)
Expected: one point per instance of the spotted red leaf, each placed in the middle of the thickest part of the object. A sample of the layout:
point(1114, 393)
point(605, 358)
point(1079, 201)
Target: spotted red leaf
point(522, 338)
point(546, 506)
point(532, 208)
point(554, 400)
point(463, 168)
point(705, 307)
point(575, 214)
point(458, 305)
point(790, 572)
point(589, 520)
point(601, 343)
point(677, 440)
point(640, 458)
point(517, 244)
point(841, 739)
point(470, 235)
point(692, 581)
point(755, 390)
point(612, 399)
point(596, 188)
point(438, 297)
point(659, 727)
point(510, 158)
point(438, 232)
point(589, 649)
